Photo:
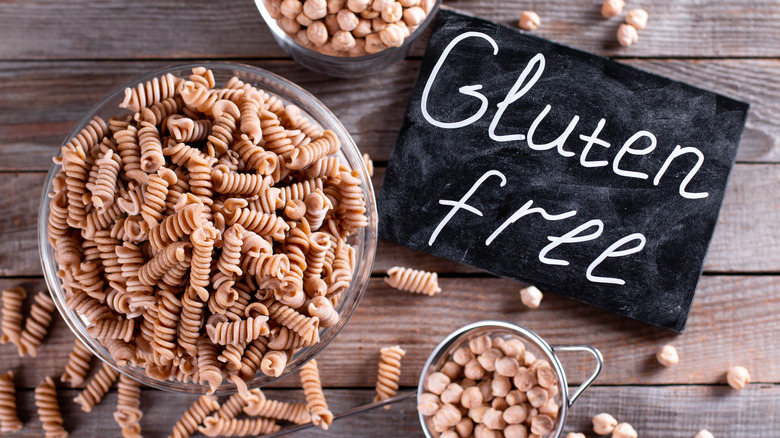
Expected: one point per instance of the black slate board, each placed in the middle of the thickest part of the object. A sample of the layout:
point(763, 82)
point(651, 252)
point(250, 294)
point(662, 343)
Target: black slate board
point(435, 164)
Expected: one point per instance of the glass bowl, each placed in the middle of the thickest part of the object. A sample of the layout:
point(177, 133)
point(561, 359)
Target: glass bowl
point(344, 66)
point(364, 240)
point(533, 343)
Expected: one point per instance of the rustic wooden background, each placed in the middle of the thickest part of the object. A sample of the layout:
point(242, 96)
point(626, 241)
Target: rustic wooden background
point(57, 58)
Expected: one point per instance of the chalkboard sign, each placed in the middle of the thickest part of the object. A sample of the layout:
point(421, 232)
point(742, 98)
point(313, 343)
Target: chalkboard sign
point(581, 175)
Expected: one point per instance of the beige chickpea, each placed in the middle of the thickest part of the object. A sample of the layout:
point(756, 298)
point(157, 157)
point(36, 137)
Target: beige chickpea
point(451, 369)
point(304, 20)
point(438, 426)
point(531, 296)
point(273, 7)
point(392, 35)
point(449, 434)
point(537, 396)
point(531, 413)
point(362, 29)
point(377, 25)
point(507, 366)
point(482, 431)
point(437, 383)
point(542, 425)
point(516, 414)
point(529, 358)
point(331, 23)
point(315, 9)
point(404, 28)
point(467, 383)
point(481, 344)
point(637, 18)
point(499, 403)
point(516, 397)
point(393, 12)
point(448, 415)
point(494, 419)
point(553, 391)
point(575, 435)
point(334, 6)
point(545, 374)
point(667, 356)
point(409, 3)
point(343, 41)
point(357, 6)
point(452, 394)
point(472, 370)
point(516, 431)
point(550, 408)
point(347, 20)
point(604, 424)
point(471, 398)
point(476, 413)
point(369, 14)
point(513, 348)
point(318, 33)
point(359, 49)
point(612, 8)
point(379, 5)
point(486, 388)
point(737, 377)
point(290, 27)
point(627, 35)
point(291, 8)
point(624, 430)
point(327, 49)
point(500, 386)
point(704, 433)
point(428, 404)
point(302, 38)
point(462, 356)
point(525, 379)
point(529, 20)
point(465, 427)
point(488, 358)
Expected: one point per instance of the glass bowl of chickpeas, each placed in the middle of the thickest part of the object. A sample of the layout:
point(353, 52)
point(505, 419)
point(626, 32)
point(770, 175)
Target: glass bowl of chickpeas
point(492, 379)
point(347, 38)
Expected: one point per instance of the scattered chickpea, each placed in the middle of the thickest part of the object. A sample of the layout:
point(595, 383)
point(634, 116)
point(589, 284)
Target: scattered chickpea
point(667, 356)
point(624, 430)
point(516, 397)
point(612, 8)
point(414, 16)
point(627, 35)
point(516, 431)
point(362, 29)
point(347, 20)
point(471, 397)
point(334, 6)
point(303, 20)
point(529, 20)
point(529, 358)
point(545, 374)
point(704, 433)
point(486, 388)
point(531, 297)
point(738, 377)
point(428, 404)
point(575, 435)
point(290, 26)
point(637, 18)
point(604, 424)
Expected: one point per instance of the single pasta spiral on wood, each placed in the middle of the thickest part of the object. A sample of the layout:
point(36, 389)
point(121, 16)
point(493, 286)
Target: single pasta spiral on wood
point(97, 387)
point(315, 398)
point(49, 409)
point(413, 280)
point(257, 405)
point(78, 364)
point(11, 323)
point(37, 325)
point(128, 407)
point(9, 420)
point(389, 372)
point(194, 416)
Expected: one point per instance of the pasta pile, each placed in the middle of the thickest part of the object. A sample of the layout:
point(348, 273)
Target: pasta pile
point(204, 234)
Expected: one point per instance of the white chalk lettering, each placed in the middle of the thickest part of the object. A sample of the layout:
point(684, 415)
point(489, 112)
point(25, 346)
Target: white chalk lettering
point(525, 210)
point(558, 142)
point(462, 203)
point(590, 141)
point(678, 151)
point(627, 149)
point(516, 93)
point(570, 237)
point(612, 251)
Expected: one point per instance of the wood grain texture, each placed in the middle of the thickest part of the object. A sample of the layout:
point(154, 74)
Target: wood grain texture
point(223, 29)
point(733, 321)
point(41, 101)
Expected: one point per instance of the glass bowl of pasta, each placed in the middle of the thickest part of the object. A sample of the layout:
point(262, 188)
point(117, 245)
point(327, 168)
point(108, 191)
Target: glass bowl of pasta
point(347, 38)
point(208, 228)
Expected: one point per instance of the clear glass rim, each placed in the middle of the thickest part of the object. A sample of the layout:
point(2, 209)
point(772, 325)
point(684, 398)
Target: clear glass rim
point(367, 236)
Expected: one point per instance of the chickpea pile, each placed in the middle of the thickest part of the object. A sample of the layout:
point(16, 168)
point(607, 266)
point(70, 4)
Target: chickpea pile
point(492, 388)
point(349, 27)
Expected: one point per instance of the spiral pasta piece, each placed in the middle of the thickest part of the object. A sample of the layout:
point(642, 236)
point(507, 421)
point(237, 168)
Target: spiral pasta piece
point(226, 115)
point(57, 226)
point(11, 323)
point(300, 122)
point(325, 167)
point(197, 95)
point(283, 339)
point(319, 243)
point(292, 319)
point(151, 148)
point(186, 130)
point(245, 330)
point(300, 189)
point(413, 280)
point(323, 309)
point(315, 398)
point(274, 362)
point(112, 329)
point(174, 227)
point(194, 416)
point(181, 154)
point(150, 92)
point(267, 201)
point(128, 412)
point(257, 405)
point(9, 420)
point(87, 307)
point(255, 157)
point(208, 364)
point(253, 356)
point(249, 184)
point(305, 155)
point(249, 105)
point(200, 181)
point(160, 111)
point(105, 186)
point(317, 207)
point(75, 166)
point(191, 321)
point(369, 164)
point(130, 153)
point(166, 326)
point(202, 248)
point(97, 388)
point(263, 224)
point(274, 135)
point(352, 205)
point(389, 372)
point(231, 356)
point(155, 194)
point(173, 254)
point(37, 325)
point(215, 426)
point(49, 409)
point(78, 364)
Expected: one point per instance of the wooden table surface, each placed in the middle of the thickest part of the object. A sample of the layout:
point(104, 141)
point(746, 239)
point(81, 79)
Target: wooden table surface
point(57, 58)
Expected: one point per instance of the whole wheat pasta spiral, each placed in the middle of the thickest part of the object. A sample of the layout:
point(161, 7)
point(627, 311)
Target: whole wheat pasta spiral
point(319, 243)
point(300, 189)
point(315, 398)
point(112, 329)
point(317, 207)
point(97, 387)
point(11, 323)
point(290, 318)
point(197, 95)
point(200, 180)
point(78, 364)
point(304, 156)
point(181, 154)
point(191, 321)
point(253, 356)
point(75, 166)
point(267, 201)
point(150, 92)
point(413, 280)
point(250, 184)
point(325, 167)
point(215, 426)
point(246, 330)
point(9, 420)
point(49, 409)
point(130, 153)
point(323, 309)
point(389, 372)
point(173, 254)
point(282, 338)
point(232, 406)
point(37, 325)
point(185, 130)
point(194, 416)
point(172, 228)
point(274, 363)
point(208, 364)
point(160, 111)
point(166, 327)
point(250, 104)
point(128, 407)
point(105, 186)
point(202, 248)
point(263, 224)
point(257, 405)
point(255, 157)
point(57, 226)
point(301, 122)
point(351, 204)
point(274, 135)
point(155, 194)
point(151, 148)
point(226, 116)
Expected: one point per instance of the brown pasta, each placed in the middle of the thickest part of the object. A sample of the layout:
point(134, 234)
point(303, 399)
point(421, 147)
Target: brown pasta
point(97, 387)
point(245, 330)
point(304, 156)
point(257, 405)
point(215, 426)
point(250, 104)
point(112, 329)
point(274, 362)
point(226, 114)
point(49, 409)
point(104, 189)
point(194, 416)
point(208, 364)
point(9, 420)
point(389, 372)
point(290, 318)
point(128, 407)
point(155, 194)
point(148, 93)
point(11, 323)
point(315, 398)
point(78, 365)
point(151, 148)
point(37, 324)
point(413, 280)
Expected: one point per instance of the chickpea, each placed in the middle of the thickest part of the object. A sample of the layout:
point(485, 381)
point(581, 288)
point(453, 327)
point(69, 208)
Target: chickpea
point(529, 20)
point(462, 356)
point(604, 424)
point(274, 8)
point(531, 296)
point(471, 398)
point(508, 366)
point(290, 27)
point(362, 29)
point(488, 358)
point(327, 49)
point(525, 379)
point(637, 18)
point(481, 344)
point(624, 430)
point(667, 356)
point(500, 386)
point(486, 388)
point(494, 419)
point(553, 391)
point(472, 370)
point(704, 433)
point(482, 431)
point(516, 431)
point(499, 403)
point(437, 383)
point(315, 9)
point(357, 6)
point(334, 6)
point(379, 5)
point(449, 434)
point(377, 25)
point(550, 408)
point(627, 35)
point(467, 383)
point(302, 38)
point(513, 348)
point(465, 427)
point(575, 435)
point(545, 374)
point(477, 413)
point(332, 23)
point(359, 49)
point(303, 20)
point(542, 425)
point(738, 377)
point(392, 35)
point(369, 14)
point(404, 28)
point(452, 394)
point(612, 8)
point(393, 13)
point(409, 3)
point(529, 358)
point(291, 8)
point(451, 369)
point(318, 33)
point(516, 397)
point(448, 415)
point(347, 20)
point(428, 404)
point(343, 41)
point(516, 414)
point(537, 396)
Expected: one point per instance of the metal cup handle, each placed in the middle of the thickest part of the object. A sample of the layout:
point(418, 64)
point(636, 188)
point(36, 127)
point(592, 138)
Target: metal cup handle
point(570, 399)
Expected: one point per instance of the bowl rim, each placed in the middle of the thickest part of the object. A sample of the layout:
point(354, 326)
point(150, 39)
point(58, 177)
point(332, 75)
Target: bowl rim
point(366, 245)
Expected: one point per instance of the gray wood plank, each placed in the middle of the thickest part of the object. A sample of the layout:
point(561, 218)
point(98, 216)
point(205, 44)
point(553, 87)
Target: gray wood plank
point(733, 322)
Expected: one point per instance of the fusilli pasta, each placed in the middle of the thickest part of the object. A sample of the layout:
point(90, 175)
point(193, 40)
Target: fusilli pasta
point(49, 409)
point(315, 398)
point(78, 364)
point(37, 324)
point(11, 323)
point(389, 372)
point(97, 387)
point(413, 280)
point(9, 420)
